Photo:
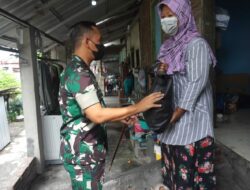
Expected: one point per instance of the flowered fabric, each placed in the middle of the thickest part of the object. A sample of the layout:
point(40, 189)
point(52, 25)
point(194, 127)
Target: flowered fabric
point(189, 167)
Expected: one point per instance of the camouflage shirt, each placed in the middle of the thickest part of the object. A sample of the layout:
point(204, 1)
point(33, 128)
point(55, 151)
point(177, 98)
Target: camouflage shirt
point(75, 80)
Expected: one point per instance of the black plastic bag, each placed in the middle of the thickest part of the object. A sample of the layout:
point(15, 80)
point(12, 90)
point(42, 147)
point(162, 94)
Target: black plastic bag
point(158, 119)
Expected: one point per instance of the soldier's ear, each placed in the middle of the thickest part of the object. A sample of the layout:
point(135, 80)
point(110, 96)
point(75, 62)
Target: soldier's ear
point(84, 41)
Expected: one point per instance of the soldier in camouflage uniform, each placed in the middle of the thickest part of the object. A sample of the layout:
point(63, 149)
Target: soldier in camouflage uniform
point(83, 137)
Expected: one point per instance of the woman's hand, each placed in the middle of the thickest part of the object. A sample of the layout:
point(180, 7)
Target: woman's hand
point(149, 102)
point(162, 68)
point(178, 113)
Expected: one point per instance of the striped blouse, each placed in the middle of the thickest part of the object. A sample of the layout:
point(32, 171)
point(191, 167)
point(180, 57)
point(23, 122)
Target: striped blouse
point(192, 91)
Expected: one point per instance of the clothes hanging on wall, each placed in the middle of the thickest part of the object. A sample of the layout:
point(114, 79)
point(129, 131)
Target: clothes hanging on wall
point(140, 83)
point(49, 79)
point(142, 78)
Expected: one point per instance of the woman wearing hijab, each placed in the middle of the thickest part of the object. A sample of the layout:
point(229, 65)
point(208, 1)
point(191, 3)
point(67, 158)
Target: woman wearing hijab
point(188, 145)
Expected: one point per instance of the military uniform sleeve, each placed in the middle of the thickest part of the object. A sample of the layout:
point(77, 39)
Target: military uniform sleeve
point(82, 88)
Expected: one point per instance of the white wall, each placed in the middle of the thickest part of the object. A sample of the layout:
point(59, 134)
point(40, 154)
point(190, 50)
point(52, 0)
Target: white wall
point(4, 127)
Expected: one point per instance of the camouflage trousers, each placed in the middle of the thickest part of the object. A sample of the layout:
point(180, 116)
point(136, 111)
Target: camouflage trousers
point(83, 154)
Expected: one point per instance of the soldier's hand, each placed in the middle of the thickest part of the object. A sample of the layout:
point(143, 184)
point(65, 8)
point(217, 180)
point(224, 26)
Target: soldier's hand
point(130, 121)
point(149, 102)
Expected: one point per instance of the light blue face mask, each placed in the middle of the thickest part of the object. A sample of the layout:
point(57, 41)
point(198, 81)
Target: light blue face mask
point(170, 25)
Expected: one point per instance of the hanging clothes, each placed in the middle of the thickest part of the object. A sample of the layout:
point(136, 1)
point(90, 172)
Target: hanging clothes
point(48, 76)
point(129, 84)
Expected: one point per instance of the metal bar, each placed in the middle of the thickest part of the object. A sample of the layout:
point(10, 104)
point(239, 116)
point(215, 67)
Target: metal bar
point(24, 23)
point(115, 37)
point(21, 5)
point(7, 28)
point(49, 47)
point(115, 11)
point(118, 16)
point(40, 23)
point(48, 59)
point(43, 7)
point(115, 25)
point(10, 39)
point(72, 7)
point(114, 33)
point(53, 11)
point(77, 14)
point(117, 146)
point(10, 4)
point(110, 29)
point(56, 14)
point(48, 5)
point(9, 49)
point(110, 37)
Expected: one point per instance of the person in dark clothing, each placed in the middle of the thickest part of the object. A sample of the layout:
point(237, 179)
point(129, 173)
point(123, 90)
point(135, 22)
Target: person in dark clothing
point(129, 84)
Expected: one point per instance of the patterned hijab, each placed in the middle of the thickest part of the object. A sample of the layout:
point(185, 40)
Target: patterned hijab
point(173, 49)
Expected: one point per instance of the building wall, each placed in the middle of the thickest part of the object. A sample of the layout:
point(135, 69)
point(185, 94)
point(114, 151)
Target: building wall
point(204, 14)
point(233, 53)
point(145, 33)
point(157, 34)
point(59, 52)
point(4, 128)
point(133, 44)
point(141, 35)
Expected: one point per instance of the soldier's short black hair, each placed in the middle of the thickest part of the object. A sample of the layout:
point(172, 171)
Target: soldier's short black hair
point(78, 30)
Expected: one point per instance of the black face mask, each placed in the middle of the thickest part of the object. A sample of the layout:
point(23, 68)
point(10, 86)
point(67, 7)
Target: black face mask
point(100, 51)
